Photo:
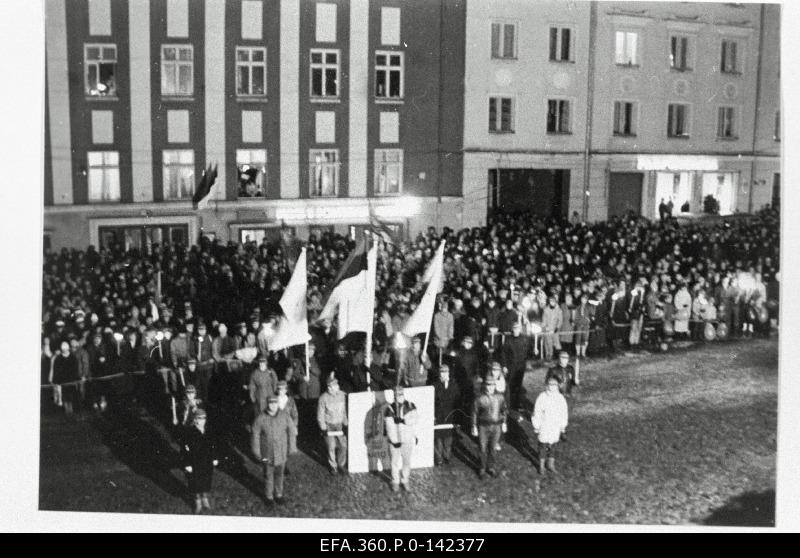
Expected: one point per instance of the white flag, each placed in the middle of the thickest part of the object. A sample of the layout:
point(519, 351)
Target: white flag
point(420, 321)
point(292, 328)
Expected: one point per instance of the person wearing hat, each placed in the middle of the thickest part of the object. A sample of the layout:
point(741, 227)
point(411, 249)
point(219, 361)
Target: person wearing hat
point(400, 419)
point(179, 348)
point(188, 407)
point(332, 420)
point(271, 441)
point(514, 354)
point(199, 458)
point(200, 348)
point(446, 400)
point(287, 405)
point(488, 423)
point(549, 420)
point(263, 383)
point(564, 372)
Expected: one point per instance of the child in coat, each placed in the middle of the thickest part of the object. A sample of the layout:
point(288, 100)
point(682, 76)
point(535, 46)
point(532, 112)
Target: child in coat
point(549, 422)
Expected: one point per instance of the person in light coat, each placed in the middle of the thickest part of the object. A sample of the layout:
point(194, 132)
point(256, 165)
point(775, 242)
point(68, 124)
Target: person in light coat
point(549, 419)
point(271, 443)
point(400, 419)
point(683, 310)
point(552, 320)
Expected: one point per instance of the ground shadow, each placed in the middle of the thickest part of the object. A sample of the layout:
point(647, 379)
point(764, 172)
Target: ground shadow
point(143, 448)
point(751, 509)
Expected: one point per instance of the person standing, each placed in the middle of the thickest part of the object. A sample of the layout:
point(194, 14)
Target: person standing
point(332, 420)
point(551, 323)
point(64, 370)
point(442, 328)
point(271, 441)
point(583, 323)
point(683, 305)
point(564, 373)
point(636, 314)
point(263, 384)
point(514, 355)
point(488, 423)
point(200, 348)
point(549, 422)
point(199, 460)
point(400, 418)
point(446, 397)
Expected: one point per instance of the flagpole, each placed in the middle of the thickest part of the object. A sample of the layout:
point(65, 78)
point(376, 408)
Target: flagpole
point(368, 355)
point(308, 364)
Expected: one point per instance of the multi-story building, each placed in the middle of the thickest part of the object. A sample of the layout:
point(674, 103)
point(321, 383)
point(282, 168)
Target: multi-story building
point(604, 107)
point(317, 114)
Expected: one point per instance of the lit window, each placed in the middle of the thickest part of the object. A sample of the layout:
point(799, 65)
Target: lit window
point(500, 114)
point(324, 73)
point(726, 123)
point(100, 68)
point(252, 168)
point(561, 44)
point(389, 75)
point(251, 71)
point(177, 70)
point(729, 63)
point(388, 171)
point(679, 53)
point(624, 118)
point(178, 173)
point(103, 176)
point(678, 121)
point(558, 116)
point(323, 172)
point(504, 43)
point(625, 52)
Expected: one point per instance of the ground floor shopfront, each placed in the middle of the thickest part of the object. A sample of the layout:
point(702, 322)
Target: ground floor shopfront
point(565, 185)
point(139, 225)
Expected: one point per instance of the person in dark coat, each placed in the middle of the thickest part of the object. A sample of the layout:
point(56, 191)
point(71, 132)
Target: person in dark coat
point(447, 398)
point(65, 371)
point(272, 438)
point(564, 372)
point(199, 457)
point(515, 352)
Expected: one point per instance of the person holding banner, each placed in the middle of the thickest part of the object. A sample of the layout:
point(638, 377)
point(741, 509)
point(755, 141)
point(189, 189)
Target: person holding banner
point(447, 398)
point(332, 420)
point(400, 418)
point(488, 423)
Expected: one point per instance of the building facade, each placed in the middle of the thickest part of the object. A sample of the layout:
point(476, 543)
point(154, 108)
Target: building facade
point(600, 108)
point(316, 115)
point(319, 114)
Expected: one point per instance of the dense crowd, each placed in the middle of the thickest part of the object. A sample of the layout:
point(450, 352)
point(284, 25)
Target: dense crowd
point(520, 288)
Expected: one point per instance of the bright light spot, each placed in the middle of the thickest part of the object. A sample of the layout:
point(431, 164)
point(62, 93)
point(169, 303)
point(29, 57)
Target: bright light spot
point(677, 163)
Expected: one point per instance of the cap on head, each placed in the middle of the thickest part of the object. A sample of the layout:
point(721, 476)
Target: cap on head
point(199, 414)
point(333, 382)
point(283, 384)
point(191, 389)
point(563, 354)
point(272, 399)
point(191, 361)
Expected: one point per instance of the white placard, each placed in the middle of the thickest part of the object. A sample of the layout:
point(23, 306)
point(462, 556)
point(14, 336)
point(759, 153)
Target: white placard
point(368, 447)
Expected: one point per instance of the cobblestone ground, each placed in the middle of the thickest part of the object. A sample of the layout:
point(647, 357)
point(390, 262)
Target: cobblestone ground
point(682, 437)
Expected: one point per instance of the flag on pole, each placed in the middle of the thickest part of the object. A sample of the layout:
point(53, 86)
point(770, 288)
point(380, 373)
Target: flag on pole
point(352, 296)
point(379, 228)
point(202, 194)
point(420, 320)
point(292, 327)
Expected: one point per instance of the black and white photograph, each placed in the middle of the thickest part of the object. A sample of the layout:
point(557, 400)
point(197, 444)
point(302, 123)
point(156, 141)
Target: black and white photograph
point(472, 262)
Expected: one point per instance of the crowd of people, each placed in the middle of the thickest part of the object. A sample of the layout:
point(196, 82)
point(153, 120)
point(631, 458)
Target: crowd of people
point(515, 290)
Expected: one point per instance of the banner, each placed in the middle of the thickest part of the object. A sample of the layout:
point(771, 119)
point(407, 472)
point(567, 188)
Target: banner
point(367, 444)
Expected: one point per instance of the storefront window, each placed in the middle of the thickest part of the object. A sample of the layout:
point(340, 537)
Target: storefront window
point(722, 186)
point(675, 187)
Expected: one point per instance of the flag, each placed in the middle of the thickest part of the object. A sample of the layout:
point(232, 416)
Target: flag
point(292, 327)
point(202, 194)
point(352, 295)
point(420, 320)
point(379, 228)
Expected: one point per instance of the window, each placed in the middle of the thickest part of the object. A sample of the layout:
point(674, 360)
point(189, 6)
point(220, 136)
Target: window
point(103, 176)
point(678, 121)
point(388, 171)
point(726, 123)
point(138, 237)
point(558, 121)
point(389, 75)
point(624, 118)
point(251, 72)
point(504, 40)
point(500, 114)
point(729, 63)
point(324, 172)
point(625, 51)
point(177, 70)
point(561, 44)
point(324, 73)
point(100, 68)
point(252, 167)
point(178, 174)
point(679, 53)
point(777, 134)
point(252, 235)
